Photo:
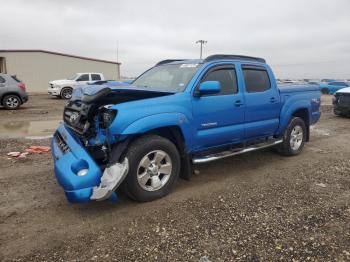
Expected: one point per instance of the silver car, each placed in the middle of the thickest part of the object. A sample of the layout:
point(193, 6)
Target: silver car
point(12, 92)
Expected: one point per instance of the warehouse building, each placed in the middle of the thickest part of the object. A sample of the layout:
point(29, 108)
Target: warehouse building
point(37, 67)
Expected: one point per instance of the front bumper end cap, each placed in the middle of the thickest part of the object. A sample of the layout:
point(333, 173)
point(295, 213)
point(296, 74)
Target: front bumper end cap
point(112, 177)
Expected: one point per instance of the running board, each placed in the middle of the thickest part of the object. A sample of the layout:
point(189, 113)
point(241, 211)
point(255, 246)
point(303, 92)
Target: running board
point(228, 153)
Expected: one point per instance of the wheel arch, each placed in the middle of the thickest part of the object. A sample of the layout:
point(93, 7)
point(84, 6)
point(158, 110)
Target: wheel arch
point(11, 93)
point(302, 109)
point(176, 135)
point(303, 113)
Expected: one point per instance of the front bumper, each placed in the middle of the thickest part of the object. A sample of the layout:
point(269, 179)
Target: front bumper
point(54, 91)
point(71, 159)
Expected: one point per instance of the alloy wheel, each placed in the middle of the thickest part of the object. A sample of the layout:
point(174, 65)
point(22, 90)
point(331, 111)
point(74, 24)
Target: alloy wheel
point(154, 170)
point(12, 102)
point(296, 137)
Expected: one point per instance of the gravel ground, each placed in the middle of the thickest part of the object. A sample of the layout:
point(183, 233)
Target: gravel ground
point(254, 207)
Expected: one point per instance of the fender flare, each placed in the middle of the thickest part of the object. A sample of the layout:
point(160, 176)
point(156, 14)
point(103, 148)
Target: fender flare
point(148, 123)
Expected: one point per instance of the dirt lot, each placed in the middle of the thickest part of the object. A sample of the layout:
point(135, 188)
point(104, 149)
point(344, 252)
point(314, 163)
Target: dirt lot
point(254, 207)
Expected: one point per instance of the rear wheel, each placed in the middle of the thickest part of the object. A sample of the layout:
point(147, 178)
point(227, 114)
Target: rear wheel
point(66, 93)
point(11, 102)
point(294, 137)
point(154, 165)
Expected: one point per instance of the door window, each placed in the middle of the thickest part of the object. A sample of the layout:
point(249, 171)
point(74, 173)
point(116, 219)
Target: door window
point(84, 77)
point(95, 77)
point(227, 78)
point(256, 80)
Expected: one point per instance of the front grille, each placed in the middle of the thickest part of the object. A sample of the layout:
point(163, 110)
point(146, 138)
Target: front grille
point(75, 116)
point(62, 145)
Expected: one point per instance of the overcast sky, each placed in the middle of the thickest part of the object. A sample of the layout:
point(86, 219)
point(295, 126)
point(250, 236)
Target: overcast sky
point(298, 38)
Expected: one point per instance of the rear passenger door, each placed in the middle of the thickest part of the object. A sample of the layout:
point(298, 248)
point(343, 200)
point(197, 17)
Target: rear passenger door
point(219, 118)
point(262, 102)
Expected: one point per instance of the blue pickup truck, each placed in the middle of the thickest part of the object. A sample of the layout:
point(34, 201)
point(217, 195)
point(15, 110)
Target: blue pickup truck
point(142, 136)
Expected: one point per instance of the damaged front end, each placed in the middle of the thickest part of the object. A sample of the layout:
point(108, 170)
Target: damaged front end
point(82, 152)
point(89, 162)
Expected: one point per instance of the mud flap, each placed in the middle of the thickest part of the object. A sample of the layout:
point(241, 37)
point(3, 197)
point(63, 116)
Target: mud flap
point(112, 177)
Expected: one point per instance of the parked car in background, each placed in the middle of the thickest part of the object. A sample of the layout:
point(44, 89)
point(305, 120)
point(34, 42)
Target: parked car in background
point(341, 102)
point(332, 87)
point(178, 113)
point(64, 88)
point(326, 80)
point(12, 92)
point(313, 83)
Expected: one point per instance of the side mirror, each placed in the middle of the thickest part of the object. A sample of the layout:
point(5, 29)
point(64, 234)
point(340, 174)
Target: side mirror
point(209, 87)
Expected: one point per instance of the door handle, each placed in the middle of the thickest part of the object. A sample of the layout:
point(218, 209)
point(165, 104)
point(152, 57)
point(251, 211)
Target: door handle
point(238, 103)
point(273, 100)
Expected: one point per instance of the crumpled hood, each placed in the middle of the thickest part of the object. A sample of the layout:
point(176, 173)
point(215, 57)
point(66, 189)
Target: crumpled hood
point(113, 93)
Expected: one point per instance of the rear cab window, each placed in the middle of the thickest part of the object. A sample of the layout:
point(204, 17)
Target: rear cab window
point(227, 77)
point(95, 77)
point(256, 79)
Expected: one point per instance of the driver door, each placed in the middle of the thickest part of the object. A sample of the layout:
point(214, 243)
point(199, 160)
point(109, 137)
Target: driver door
point(83, 79)
point(219, 118)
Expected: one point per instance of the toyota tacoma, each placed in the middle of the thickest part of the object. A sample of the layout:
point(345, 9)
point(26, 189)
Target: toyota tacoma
point(142, 136)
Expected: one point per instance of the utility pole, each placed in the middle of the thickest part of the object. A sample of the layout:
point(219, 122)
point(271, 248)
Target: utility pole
point(117, 51)
point(118, 66)
point(201, 42)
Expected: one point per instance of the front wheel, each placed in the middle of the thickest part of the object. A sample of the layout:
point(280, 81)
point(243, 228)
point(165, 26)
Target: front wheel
point(66, 93)
point(294, 137)
point(154, 165)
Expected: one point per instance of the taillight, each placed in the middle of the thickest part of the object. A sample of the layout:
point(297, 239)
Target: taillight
point(22, 86)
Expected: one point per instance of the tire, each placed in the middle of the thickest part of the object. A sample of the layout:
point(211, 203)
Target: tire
point(325, 91)
point(11, 102)
point(66, 93)
point(294, 137)
point(144, 181)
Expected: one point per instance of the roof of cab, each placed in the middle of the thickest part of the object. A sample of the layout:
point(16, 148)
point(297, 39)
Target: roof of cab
point(212, 58)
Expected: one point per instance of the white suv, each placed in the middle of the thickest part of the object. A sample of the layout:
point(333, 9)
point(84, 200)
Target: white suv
point(64, 88)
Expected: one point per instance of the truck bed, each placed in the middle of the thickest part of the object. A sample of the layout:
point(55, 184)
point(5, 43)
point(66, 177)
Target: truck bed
point(288, 88)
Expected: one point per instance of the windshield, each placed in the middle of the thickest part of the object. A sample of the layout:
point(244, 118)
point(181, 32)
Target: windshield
point(72, 77)
point(167, 78)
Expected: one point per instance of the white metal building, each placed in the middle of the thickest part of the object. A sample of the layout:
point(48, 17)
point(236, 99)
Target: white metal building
point(37, 67)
